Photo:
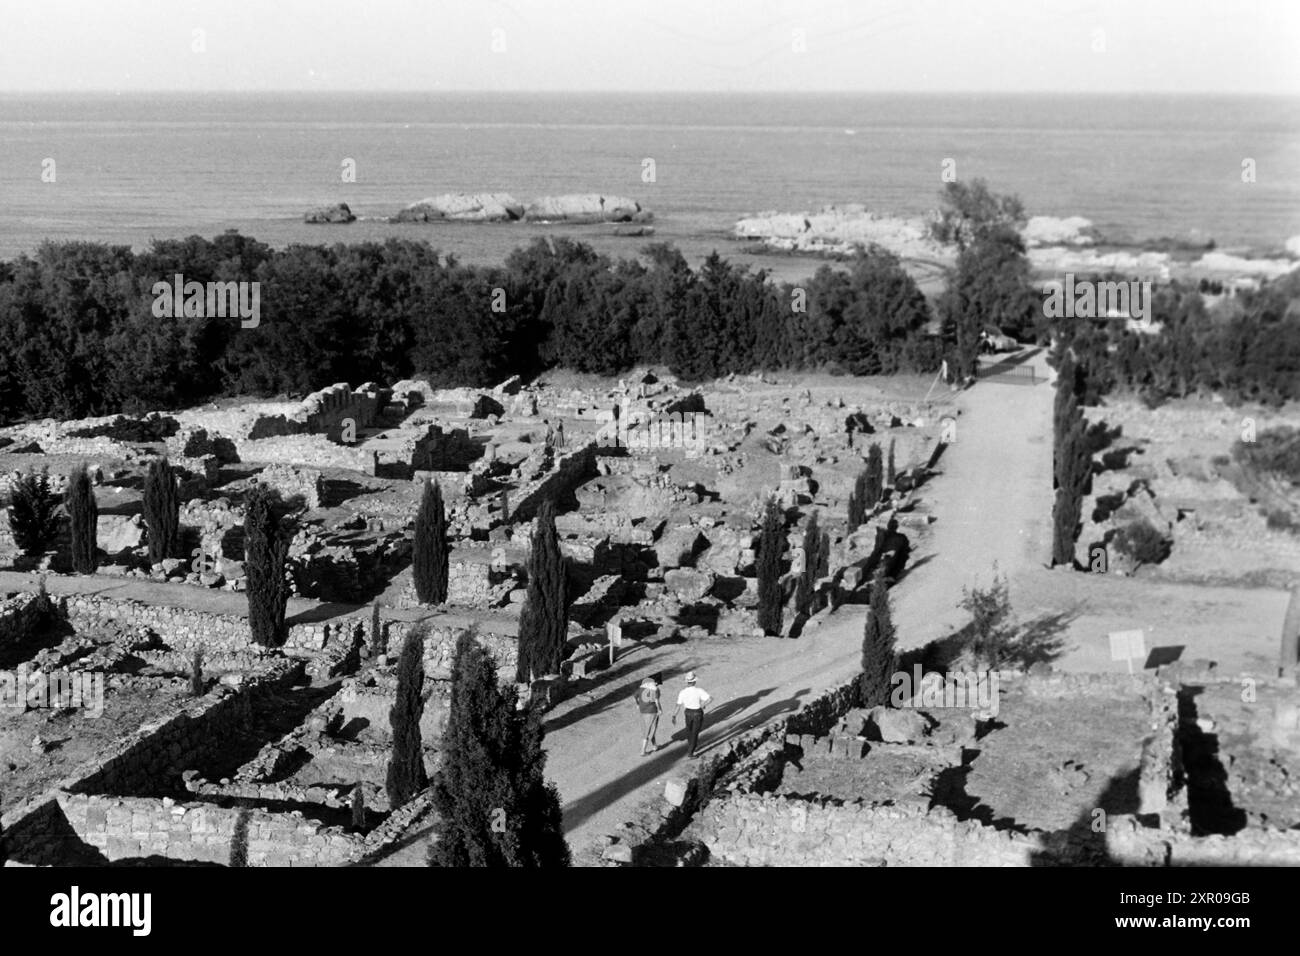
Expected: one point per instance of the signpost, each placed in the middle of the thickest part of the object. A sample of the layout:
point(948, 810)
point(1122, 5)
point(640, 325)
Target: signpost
point(1126, 645)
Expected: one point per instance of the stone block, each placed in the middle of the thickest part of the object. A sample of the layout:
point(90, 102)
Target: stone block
point(675, 792)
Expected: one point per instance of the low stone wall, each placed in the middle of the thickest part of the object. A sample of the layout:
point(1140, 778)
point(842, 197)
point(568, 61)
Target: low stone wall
point(187, 630)
point(760, 830)
point(570, 470)
point(753, 830)
point(316, 449)
point(154, 757)
point(440, 648)
point(131, 828)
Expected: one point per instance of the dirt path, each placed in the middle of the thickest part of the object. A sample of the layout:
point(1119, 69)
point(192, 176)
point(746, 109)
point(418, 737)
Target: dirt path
point(993, 505)
point(992, 502)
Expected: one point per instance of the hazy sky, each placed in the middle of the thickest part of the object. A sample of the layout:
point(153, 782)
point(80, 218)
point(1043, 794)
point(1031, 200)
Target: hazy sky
point(668, 45)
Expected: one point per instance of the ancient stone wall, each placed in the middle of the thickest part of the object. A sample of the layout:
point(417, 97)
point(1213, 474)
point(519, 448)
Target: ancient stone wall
point(317, 450)
point(153, 758)
point(570, 470)
point(440, 648)
point(321, 412)
point(754, 830)
point(20, 617)
point(128, 828)
point(186, 630)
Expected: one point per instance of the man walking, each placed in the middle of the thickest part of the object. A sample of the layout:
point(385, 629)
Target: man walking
point(694, 700)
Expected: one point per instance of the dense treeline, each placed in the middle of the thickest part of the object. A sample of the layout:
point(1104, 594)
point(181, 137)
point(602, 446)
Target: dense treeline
point(78, 333)
point(1245, 347)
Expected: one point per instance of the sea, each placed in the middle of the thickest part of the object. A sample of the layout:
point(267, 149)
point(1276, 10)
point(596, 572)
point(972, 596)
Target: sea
point(131, 168)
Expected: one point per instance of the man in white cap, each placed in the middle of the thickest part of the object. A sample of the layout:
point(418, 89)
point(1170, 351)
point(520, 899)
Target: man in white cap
point(694, 700)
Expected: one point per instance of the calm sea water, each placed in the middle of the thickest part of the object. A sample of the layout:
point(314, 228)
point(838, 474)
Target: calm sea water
point(131, 168)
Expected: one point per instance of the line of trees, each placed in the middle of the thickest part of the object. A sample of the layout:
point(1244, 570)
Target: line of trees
point(1244, 347)
point(78, 335)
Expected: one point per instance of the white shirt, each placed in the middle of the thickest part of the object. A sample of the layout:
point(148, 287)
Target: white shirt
point(692, 698)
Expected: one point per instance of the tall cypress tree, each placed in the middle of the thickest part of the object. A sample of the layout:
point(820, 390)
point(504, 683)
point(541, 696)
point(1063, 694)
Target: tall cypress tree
point(494, 805)
point(162, 508)
point(1073, 471)
point(875, 475)
point(544, 620)
point(430, 560)
point(858, 502)
point(1071, 463)
point(266, 545)
point(891, 474)
point(406, 773)
point(812, 544)
point(771, 544)
point(83, 516)
point(878, 655)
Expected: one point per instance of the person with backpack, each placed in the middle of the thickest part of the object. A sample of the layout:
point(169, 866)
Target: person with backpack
point(647, 704)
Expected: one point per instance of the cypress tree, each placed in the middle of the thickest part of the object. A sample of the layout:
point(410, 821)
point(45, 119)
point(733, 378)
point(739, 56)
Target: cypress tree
point(358, 808)
point(196, 674)
point(544, 620)
point(266, 545)
point(858, 502)
point(875, 482)
point(162, 508)
point(430, 560)
point(494, 805)
point(406, 773)
point(33, 516)
point(878, 654)
point(891, 474)
point(1073, 464)
point(1071, 461)
point(771, 543)
point(377, 643)
point(812, 544)
point(83, 516)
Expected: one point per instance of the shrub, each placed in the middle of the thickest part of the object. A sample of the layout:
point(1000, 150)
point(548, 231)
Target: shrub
point(991, 630)
point(1142, 542)
point(33, 517)
point(1275, 451)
